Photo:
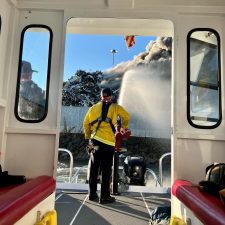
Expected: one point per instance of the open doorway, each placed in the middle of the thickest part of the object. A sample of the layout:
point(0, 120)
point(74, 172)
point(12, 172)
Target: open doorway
point(137, 67)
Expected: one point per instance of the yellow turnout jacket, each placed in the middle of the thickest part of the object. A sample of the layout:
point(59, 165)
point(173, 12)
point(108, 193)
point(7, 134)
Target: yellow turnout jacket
point(104, 133)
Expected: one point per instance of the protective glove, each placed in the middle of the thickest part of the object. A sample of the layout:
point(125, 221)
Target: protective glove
point(91, 148)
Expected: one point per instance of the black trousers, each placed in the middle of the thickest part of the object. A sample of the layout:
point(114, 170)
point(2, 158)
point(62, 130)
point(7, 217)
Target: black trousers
point(102, 158)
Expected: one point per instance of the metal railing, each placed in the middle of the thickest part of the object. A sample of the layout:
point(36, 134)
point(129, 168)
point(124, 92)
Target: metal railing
point(157, 182)
point(76, 175)
point(160, 167)
point(71, 161)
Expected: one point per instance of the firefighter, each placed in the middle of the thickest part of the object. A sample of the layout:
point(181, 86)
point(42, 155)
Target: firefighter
point(99, 130)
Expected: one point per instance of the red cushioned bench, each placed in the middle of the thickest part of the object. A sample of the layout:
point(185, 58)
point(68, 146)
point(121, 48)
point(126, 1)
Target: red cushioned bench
point(18, 200)
point(207, 208)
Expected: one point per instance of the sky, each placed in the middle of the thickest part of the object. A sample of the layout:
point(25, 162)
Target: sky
point(82, 51)
point(93, 52)
point(35, 51)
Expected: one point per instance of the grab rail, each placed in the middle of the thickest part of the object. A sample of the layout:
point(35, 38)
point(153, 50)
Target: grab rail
point(157, 182)
point(71, 161)
point(76, 175)
point(160, 167)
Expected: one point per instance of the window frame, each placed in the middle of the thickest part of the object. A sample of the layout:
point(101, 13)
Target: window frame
point(0, 24)
point(19, 70)
point(189, 82)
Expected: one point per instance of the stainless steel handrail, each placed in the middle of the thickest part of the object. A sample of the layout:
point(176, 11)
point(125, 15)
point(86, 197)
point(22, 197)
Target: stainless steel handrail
point(157, 182)
point(160, 166)
point(71, 161)
point(76, 175)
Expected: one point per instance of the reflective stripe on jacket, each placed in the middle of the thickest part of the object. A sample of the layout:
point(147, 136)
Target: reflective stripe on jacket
point(104, 133)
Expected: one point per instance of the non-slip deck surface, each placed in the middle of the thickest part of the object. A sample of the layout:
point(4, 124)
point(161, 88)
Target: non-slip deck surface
point(131, 208)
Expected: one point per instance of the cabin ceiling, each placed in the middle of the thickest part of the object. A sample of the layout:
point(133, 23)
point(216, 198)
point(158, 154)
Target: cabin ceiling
point(120, 4)
point(156, 27)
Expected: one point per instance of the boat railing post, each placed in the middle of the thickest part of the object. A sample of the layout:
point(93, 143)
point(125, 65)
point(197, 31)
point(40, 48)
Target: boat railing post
point(160, 167)
point(76, 175)
point(157, 182)
point(71, 161)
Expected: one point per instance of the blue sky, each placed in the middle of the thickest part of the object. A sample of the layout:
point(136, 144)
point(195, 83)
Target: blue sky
point(93, 52)
point(35, 51)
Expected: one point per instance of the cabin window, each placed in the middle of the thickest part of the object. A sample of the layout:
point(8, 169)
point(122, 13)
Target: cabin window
point(204, 90)
point(33, 74)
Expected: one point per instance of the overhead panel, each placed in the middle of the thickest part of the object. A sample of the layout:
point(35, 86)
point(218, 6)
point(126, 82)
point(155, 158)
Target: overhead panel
point(156, 27)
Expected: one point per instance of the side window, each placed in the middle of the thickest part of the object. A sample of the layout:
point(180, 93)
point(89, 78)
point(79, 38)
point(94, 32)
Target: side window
point(203, 88)
point(33, 74)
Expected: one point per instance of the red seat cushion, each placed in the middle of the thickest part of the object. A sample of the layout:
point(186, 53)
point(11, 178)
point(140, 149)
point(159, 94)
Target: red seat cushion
point(207, 208)
point(18, 200)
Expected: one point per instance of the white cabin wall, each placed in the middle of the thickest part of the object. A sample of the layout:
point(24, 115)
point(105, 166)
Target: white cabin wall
point(8, 14)
point(39, 141)
point(5, 9)
point(54, 21)
point(194, 149)
point(33, 156)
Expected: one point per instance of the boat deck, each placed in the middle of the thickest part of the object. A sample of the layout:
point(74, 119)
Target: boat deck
point(132, 207)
